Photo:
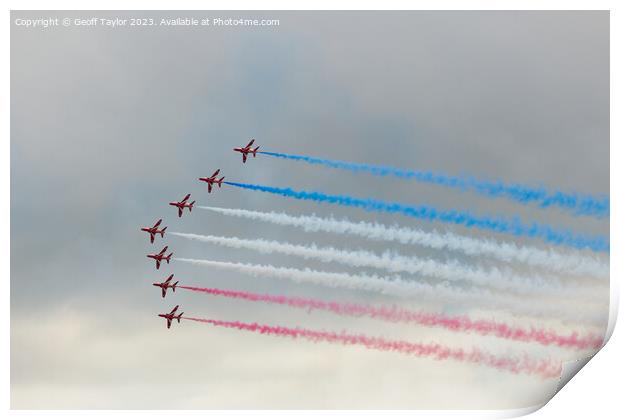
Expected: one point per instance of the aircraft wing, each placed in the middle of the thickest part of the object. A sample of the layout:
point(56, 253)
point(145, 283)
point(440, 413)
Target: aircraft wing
point(186, 198)
point(157, 223)
point(180, 211)
point(250, 143)
point(169, 321)
point(163, 292)
point(209, 187)
point(152, 237)
point(174, 310)
point(244, 157)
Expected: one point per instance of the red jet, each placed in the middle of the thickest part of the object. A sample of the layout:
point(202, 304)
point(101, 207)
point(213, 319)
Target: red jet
point(159, 257)
point(171, 316)
point(246, 150)
point(212, 180)
point(182, 204)
point(165, 285)
point(154, 231)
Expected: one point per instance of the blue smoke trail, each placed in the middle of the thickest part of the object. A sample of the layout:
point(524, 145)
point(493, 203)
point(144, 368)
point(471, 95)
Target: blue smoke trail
point(580, 204)
point(514, 227)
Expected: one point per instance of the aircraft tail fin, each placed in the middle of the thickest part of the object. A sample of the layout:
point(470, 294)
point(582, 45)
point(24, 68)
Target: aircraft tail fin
point(163, 230)
point(191, 205)
point(219, 183)
point(174, 286)
point(179, 317)
point(168, 258)
point(254, 151)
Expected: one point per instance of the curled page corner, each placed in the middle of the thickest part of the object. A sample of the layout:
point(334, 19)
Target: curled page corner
point(520, 412)
point(570, 369)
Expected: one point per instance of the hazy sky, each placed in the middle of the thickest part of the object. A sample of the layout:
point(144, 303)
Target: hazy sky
point(108, 126)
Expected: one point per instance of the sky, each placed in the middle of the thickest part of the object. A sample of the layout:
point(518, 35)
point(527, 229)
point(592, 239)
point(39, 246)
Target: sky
point(109, 125)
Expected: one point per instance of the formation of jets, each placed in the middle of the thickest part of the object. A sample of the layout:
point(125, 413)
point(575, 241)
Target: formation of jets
point(182, 205)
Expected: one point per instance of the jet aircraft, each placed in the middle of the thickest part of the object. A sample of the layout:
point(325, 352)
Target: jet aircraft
point(213, 180)
point(247, 150)
point(153, 231)
point(159, 257)
point(167, 285)
point(183, 204)
point(171, 316)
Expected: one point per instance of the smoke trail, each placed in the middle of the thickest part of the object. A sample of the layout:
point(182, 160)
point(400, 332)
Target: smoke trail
point(514, 227)
point(580, 204)
point(539, 335)
point(546, 369)
point(443, 292)
point(504, 251)
point(451, 271)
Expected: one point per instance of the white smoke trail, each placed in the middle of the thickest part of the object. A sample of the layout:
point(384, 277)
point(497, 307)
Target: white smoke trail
point(443, 292)
point(568, 263)
point(451, 271)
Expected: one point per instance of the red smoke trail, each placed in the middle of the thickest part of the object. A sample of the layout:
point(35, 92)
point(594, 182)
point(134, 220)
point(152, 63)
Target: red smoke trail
point(543, 368)
point(395, 314)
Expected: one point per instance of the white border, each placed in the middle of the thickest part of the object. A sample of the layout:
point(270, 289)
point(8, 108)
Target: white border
point(313, 5)
point(593, 394)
